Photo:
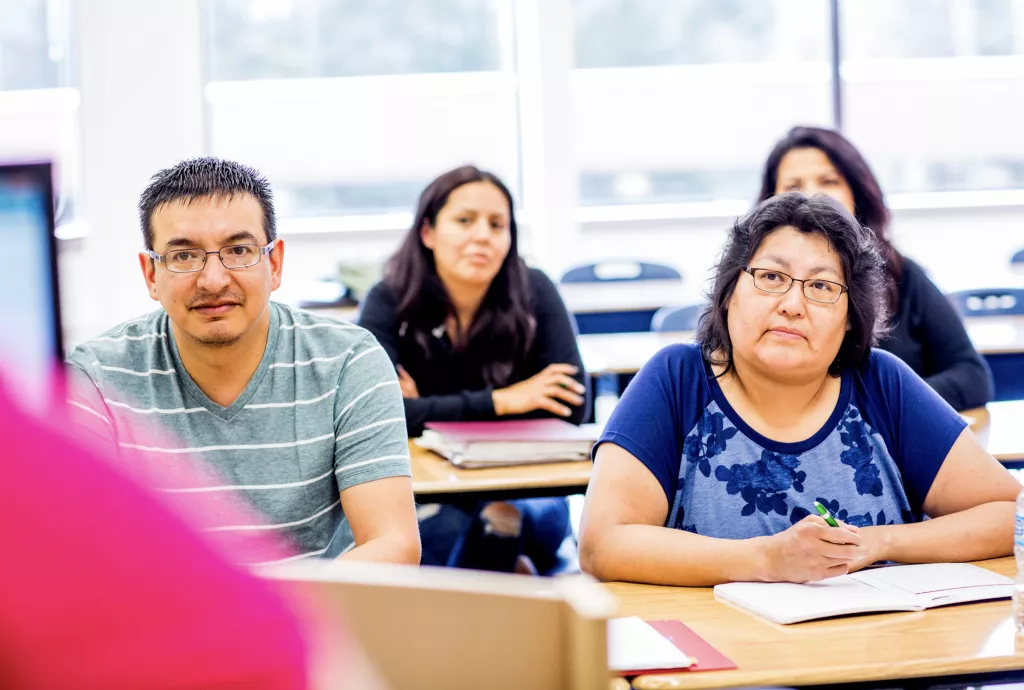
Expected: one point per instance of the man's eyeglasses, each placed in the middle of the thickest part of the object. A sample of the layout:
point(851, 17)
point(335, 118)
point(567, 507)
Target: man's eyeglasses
point(193, 260)
point(815, 289)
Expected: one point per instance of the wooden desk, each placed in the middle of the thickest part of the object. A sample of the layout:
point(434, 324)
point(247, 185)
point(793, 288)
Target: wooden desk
point(624, 353)
point(1001, 341)
point(996, 335)
point(428, 628)
point(1000, 428)
point(956, 640)
point(435, 480)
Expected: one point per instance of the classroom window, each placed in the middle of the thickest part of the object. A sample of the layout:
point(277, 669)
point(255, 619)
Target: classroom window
point(352, 106)
point(680, 100)
point(934, 90)
point(38, 91)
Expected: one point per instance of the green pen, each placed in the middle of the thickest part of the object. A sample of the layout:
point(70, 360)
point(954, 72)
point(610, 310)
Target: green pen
point(823, 512)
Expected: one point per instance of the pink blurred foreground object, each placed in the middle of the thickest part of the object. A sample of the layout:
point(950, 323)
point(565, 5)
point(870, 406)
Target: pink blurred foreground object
point(102, 586)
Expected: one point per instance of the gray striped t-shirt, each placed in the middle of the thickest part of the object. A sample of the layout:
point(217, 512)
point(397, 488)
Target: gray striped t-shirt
point(322, 413)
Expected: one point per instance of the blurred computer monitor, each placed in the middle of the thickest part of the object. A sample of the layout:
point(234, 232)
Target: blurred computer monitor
point(31, 348)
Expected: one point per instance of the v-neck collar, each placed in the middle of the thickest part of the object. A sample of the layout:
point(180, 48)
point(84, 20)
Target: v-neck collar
point(782, 447)
point(193, 390)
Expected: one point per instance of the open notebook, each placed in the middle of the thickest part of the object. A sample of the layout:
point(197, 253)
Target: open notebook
point(893, 588)
point(521, 442)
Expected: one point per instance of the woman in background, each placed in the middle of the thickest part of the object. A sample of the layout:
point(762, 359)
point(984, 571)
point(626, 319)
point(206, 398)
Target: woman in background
point(476, 335)
point(926, 331)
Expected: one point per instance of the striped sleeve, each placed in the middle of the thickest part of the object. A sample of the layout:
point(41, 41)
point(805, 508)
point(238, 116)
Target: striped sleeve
point(369, 425)
point(87, 409)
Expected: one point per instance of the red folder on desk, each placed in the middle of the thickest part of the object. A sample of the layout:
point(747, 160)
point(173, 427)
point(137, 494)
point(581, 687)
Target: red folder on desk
point(706, 657)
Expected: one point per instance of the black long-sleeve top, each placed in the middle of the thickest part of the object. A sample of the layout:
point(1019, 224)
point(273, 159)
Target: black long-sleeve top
point(452, 389)
point(928, 335)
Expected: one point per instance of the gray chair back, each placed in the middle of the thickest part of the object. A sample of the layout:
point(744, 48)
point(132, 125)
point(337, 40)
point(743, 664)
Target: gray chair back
point(619, 271)
point(989, 302)
point(677, 318)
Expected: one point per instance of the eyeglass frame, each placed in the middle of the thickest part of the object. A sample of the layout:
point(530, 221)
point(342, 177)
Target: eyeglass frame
point(263, 251)
point(803, 284)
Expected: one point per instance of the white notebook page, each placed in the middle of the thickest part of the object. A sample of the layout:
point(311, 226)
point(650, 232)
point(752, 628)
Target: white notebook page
point(788, 602)
point(933, 577)
point(634, 645)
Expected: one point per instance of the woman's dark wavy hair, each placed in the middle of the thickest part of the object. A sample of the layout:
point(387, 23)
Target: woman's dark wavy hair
point(868, 201)
point(859, 255)
point(504, 327)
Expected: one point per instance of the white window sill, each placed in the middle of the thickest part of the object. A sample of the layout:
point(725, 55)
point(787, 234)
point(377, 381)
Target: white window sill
point(73, 230)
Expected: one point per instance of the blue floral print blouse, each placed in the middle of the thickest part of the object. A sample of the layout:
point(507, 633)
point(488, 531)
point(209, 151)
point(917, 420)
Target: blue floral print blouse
point(872, 463)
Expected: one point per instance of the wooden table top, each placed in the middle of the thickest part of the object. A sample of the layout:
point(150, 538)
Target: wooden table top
point(971, 638)
point(626, 353)
point(996, 335)
point(432, 475)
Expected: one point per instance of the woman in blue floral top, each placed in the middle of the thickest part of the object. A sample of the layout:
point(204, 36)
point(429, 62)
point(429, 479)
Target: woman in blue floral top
point(727, 443)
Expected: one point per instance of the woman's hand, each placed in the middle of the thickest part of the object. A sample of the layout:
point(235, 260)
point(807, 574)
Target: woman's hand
point(874, 546)
point(543, 391)
point(407, 384)
point(810, 550)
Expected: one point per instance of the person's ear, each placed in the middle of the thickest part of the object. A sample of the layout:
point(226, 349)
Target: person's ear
point(276, 259)
point(148, 266)
point(428, 235)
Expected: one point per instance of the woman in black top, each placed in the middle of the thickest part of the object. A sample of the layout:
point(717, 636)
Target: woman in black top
point(476, 335)
point(926, 332)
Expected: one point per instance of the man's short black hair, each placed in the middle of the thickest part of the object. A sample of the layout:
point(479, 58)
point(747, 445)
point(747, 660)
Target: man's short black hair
point(197, 178)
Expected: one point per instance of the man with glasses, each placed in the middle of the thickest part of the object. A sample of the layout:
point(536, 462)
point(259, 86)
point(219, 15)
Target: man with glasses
point(227, 395)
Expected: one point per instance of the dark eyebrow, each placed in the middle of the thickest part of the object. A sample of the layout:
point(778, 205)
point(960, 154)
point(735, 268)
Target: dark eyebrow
point(813, 272)
point(180, 242)
point(243, 236)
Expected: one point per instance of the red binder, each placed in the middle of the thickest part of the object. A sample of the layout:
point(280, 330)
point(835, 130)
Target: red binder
point(706, 657)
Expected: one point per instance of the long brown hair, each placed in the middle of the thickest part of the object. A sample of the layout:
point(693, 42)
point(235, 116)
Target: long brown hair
point(503, 328)
point(868, 200)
